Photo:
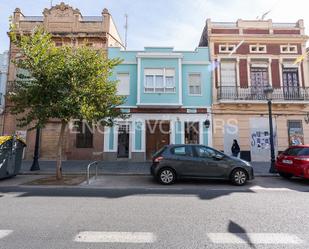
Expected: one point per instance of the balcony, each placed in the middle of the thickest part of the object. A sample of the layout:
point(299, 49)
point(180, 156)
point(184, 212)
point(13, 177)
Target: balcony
point(256, 94)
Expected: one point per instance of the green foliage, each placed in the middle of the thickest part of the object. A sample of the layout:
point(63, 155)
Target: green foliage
point(63, 82)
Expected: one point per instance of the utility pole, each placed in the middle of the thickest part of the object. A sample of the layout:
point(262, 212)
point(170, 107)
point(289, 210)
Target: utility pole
point(51, 3)
point(126, 26)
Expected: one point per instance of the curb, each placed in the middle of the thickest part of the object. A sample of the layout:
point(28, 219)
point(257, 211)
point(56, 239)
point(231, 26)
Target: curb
point(120, 174)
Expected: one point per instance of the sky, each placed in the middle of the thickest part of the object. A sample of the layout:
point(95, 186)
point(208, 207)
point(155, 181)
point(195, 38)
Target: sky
point(176, 23)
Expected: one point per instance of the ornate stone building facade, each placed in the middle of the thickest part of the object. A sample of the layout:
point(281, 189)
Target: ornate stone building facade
point(249, 56)
point(67, 26)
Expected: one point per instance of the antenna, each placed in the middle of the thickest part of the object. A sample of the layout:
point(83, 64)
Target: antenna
point(126, 26)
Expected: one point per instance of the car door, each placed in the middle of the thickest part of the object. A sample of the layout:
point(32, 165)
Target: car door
point(209, 162)
point(182, 157)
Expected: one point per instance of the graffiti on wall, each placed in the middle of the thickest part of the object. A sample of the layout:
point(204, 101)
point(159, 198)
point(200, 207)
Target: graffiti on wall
point(260, 140)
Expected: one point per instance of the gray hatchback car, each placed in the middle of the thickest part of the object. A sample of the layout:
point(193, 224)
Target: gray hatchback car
point(197, 161)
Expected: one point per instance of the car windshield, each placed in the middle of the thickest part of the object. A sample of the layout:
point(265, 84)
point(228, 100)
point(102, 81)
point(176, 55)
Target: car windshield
point(297, 151)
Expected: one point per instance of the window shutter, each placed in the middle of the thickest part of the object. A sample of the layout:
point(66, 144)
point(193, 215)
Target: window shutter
point(123, 87)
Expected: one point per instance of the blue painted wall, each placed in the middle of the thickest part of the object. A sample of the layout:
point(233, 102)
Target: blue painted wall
point(192, 62)
point(159, 97)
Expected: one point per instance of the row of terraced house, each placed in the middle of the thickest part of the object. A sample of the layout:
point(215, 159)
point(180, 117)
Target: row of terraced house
point(209, 96)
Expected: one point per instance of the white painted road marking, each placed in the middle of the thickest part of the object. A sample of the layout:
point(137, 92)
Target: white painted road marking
point(4, 233)
point(270, 189)
point(115, 237)
point(254, 238)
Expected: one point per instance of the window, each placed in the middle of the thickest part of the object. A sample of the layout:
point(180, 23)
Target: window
point(297, 152)
point(22, 74)
point(161, 80)
point(192, 133)
point(181, 151)
point(288, 49)
point(58, 44)
point(84, 137)
point(295, 132)
point(206, 152)
point(257, 48)
point(195, 84)
point(228, 74)
point(123, 86)
point(226, 48)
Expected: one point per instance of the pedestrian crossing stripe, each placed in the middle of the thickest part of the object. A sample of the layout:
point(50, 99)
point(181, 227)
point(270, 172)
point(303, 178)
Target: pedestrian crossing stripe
point(5, 233)
point(115, 237)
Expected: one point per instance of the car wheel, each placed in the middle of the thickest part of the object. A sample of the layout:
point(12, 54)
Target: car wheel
point(166, 176)
point(239, 177)
point(285, 175)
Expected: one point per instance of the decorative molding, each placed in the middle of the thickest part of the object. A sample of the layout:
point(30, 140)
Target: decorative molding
point(62, 10)
point(158, 55)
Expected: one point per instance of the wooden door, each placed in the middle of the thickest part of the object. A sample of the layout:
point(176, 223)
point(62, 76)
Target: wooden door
point(157, 135)
point(290, 83)
point(259, 81)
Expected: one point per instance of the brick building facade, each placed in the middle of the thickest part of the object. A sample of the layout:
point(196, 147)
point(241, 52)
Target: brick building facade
point(67, 26)
point(249, 56)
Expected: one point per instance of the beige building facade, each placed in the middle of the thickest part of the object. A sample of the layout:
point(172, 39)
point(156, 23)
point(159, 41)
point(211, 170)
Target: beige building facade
point(67, 26)
point(248, 57)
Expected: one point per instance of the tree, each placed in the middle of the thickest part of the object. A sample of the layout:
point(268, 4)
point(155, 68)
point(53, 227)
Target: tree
point(63, 83)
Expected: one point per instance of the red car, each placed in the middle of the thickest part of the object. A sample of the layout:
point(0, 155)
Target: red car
point(294, 162)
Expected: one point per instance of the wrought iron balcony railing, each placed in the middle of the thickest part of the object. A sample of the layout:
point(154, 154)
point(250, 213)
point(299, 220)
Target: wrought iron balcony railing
point(257, 93)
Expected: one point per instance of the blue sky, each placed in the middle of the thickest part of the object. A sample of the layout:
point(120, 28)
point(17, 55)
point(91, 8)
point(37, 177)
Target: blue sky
point(176, 23)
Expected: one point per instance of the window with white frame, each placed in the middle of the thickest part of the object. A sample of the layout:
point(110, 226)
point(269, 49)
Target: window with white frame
point(257, 48)
point(288, 49)
point(123, 86)
point(160, 80)
point(226, 48)
point(195, 83)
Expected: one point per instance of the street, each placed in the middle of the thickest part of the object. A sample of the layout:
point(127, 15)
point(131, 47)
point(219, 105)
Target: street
point(135, 212)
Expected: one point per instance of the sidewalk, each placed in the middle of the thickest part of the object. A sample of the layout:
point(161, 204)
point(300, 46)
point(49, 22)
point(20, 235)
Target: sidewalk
point(114, 168)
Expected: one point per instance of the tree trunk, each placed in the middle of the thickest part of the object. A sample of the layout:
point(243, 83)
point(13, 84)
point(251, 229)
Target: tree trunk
point(59, 150)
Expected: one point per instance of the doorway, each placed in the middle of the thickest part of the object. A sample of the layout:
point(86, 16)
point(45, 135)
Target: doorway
point(123, 141)
point(157, 135)
point(290, 83)
point(259, 81)
point(192, 133)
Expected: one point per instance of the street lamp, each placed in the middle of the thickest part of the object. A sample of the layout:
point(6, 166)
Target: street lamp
point(35, 164)
point(269, 94)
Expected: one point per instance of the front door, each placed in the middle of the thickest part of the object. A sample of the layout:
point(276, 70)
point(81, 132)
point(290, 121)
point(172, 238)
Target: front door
point(290, 83)
point(207, 164)
point(157, 135)
point(123, 141)
point(259, 81)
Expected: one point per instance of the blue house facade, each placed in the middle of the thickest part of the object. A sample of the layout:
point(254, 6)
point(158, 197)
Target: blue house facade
point(168, 101)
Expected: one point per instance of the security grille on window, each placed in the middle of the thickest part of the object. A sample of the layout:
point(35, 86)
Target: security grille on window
point(123, 86)
point(195, 84)
point(160, 80)
point(84, 137)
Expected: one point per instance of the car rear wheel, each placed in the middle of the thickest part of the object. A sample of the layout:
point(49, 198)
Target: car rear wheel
point(167, 176)
point(239, 177)
point(285, 175)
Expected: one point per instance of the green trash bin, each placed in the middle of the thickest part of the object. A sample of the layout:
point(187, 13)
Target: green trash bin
point(11, 155)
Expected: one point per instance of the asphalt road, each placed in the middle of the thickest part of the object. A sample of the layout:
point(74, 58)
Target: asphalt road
point(135, 212)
